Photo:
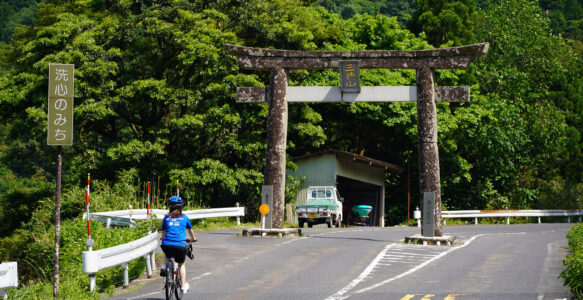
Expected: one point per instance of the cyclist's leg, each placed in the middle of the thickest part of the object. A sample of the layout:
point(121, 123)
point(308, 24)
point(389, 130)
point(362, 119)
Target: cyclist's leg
point(182, 269)
point(166, 260)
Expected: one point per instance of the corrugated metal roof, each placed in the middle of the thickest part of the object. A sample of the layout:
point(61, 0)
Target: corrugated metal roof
point(356, 158)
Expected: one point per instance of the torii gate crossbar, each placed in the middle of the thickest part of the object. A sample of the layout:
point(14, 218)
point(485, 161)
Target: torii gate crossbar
point(278, 94)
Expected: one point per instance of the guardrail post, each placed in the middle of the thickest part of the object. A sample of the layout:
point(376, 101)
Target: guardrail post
point(475, 221)
point(92, 282)
point(148, 265)
point(126, 276)
point(539, 220)
point(568, 219)
point(153, 261)
point(3, 294)
point(507, 220)
point(108, 223)
point(238, 218)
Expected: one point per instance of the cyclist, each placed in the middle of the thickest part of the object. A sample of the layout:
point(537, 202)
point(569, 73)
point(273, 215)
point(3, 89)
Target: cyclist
point(174, 228)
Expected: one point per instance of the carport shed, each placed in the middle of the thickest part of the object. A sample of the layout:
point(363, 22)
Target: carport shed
point(359, 179)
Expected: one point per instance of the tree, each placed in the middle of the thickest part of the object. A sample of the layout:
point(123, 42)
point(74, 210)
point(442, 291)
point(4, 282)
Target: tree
point(444, 21)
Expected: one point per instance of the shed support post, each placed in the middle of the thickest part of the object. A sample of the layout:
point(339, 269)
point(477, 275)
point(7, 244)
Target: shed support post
point(276, 144)
point(429, 179)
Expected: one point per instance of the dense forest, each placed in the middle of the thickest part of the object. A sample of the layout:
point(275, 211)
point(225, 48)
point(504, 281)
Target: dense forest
point(155, 101)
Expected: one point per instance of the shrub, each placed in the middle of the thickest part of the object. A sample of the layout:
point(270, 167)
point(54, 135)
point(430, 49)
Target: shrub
point(573, 274)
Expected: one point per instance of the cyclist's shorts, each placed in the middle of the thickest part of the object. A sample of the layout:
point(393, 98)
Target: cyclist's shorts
point(178, 252)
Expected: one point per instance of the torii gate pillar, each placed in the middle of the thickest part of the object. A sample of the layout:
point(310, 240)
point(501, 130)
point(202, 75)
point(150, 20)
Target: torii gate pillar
point(276, 144)
point(429, 179)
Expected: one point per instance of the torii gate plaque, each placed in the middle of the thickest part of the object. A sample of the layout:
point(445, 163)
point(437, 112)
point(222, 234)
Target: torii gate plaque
point(424, 93)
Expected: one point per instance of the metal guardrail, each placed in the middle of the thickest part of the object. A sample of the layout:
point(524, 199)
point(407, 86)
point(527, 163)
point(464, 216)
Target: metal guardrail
point(8, 277)
point(475, 214)
point(127, 217)
point(94, 261)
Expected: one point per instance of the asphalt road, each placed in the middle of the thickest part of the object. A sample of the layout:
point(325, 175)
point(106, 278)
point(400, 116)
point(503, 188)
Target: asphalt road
point(488, 262)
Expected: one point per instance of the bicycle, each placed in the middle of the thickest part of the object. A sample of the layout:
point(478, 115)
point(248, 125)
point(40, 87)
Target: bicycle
point(173, 282)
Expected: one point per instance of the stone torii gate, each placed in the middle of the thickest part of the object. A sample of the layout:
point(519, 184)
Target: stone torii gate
point(424, 93)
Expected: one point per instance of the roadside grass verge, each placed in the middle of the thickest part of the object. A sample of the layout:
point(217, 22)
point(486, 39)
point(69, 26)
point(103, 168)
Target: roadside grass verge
point(573, 274)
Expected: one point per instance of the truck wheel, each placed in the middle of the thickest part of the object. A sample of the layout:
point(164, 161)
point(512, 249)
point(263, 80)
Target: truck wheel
point(310, 225)
point(338, 223)
point(330, 221)
point(301, 224)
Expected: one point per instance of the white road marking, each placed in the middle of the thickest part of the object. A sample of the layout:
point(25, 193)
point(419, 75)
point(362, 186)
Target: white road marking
point(201, 276)
point(144, 296)
point(362, 275)
point(344, 292)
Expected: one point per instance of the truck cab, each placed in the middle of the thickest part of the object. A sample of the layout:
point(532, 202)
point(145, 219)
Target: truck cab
point(324, 206)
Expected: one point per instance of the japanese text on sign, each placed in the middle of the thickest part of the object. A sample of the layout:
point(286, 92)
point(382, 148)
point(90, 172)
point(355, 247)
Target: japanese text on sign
point(349, 76)
point(60, 114)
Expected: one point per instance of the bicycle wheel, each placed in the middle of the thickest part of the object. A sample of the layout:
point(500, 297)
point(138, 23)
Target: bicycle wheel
point(178, 286)
point(169, 285)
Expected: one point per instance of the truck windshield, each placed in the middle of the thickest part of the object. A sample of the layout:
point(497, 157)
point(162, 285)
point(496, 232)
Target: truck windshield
point(321, 193)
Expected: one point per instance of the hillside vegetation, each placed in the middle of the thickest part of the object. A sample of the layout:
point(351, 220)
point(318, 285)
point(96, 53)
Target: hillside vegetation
point(155, 101)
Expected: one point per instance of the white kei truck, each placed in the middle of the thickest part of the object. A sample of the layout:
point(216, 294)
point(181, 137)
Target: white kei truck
point(324, 206)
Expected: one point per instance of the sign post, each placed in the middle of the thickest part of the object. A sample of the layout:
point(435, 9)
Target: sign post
point(263, 210)
point(60, 133)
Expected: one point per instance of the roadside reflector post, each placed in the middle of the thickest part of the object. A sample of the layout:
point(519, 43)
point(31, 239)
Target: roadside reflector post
point(148, 202)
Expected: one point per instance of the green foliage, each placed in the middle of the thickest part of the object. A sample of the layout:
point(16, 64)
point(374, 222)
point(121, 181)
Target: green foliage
point(402, 9)
point(445, 21)
point(14, 13)
point(32, 247)
point(155, 97)
point(573, 274)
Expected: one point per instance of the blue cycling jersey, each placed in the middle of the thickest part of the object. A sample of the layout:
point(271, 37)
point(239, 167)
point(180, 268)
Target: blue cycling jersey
point(175, 229)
